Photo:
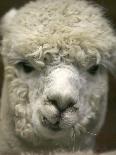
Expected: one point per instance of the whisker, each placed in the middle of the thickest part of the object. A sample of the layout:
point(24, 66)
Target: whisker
point(74, 139)
point(91, 133)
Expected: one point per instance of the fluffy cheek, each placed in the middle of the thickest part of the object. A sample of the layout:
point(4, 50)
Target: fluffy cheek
point(20, 109)
point(91, 117)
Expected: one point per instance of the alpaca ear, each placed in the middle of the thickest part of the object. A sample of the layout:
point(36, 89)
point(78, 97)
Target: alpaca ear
point(7, 20)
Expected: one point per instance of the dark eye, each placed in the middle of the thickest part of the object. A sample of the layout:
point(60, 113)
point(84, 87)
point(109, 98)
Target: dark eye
point(27, 68)
point(93, 70)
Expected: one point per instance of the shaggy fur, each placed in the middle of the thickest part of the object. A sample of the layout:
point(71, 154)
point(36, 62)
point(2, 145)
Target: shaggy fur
point(54, 99)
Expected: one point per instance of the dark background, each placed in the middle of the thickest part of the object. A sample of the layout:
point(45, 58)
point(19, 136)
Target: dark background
point(106, 140)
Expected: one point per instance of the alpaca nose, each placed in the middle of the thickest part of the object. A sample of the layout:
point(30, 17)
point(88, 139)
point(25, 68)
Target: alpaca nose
point(61, 100)
point(62, 89)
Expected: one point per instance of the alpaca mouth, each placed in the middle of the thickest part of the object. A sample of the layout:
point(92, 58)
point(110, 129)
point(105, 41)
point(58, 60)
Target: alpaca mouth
point(54, 127)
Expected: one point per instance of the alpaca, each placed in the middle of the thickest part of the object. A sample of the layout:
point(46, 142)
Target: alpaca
point(56, 57)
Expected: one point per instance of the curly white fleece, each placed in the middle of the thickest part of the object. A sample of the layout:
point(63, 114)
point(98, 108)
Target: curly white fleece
point(43, 32)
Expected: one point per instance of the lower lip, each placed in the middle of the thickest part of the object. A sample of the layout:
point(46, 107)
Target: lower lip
point(51, 127)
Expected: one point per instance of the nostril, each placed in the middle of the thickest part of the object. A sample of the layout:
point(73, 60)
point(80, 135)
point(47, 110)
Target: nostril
point(61, 103)
point(70, 103)
point(52, 101)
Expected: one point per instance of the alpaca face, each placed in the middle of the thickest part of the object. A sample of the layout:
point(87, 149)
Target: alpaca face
point(55, 55)
point(55, 97)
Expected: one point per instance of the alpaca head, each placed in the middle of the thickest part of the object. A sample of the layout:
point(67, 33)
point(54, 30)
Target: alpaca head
point(56, 57)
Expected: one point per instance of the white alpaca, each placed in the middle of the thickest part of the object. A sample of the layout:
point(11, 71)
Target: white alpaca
point(56, 56)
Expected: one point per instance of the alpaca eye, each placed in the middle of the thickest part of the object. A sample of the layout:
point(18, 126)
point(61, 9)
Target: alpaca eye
point(27, 68)
point(93, 70)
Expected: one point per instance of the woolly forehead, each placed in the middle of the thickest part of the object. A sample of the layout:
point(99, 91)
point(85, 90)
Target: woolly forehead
point(45, 28)
point(33, 47)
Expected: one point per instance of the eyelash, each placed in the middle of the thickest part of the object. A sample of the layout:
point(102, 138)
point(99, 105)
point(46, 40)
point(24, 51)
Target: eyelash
point(27, 68)
point(93, 69)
